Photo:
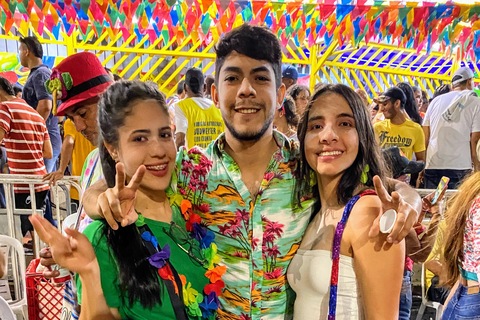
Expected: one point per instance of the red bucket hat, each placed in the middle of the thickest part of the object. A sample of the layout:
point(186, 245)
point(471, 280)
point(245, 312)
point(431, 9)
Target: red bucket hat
point(77, 78)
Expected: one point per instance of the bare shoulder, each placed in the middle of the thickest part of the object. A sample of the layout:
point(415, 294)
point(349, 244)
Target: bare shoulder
point(361, 219)
point(366, 207)
point(363, 214)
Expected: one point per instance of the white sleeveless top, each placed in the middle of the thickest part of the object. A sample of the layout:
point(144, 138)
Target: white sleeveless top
point(309, 276)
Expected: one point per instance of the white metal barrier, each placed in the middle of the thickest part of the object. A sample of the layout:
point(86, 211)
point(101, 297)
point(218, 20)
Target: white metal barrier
point(8, 181)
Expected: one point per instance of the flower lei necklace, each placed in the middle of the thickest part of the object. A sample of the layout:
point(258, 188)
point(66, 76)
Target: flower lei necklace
point(197, 304)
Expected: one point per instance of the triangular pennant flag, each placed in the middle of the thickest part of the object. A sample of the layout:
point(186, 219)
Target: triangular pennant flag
point(206, 23)
point(22, 8)
point(56, 31)
point(84, 5)
point(8, 24)
point(257, 6)
point(326, 12)
point(3, 18)
point(83, 26)
point(342, 11)
point(98, 28)
point(22, 27)
point(308, 8)
point(170, 3)
point(247, 14)
point(206, 4)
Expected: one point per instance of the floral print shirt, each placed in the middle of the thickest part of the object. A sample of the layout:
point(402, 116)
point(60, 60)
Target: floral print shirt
point(471, 240)
point(256, 237)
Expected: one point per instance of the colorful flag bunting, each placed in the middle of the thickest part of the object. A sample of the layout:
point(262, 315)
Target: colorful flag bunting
point(413, 24)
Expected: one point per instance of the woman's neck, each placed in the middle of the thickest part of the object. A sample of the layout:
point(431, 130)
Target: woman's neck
point(157, 208)
point(327, 188)
point(283, 127)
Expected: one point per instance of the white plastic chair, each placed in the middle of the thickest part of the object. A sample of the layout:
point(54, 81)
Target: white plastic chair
point(427, 303)
point(6, 312)
point(16, 256)
point(4, 287)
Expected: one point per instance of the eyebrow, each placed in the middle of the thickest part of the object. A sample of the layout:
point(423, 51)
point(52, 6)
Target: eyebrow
point(74, 110)
point(149, 131)
point(341, 115)
point(239, 70)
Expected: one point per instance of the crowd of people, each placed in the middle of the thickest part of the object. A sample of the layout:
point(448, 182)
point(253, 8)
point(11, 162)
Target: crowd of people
point(245, 195)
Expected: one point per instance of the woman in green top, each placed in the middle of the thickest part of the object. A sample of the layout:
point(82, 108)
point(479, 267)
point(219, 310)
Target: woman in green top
point(161, 267)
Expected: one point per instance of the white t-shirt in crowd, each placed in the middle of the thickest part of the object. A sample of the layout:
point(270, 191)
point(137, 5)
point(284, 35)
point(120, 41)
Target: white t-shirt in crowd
point(449, 143)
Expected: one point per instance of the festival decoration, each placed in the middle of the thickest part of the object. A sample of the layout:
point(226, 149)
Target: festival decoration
point(421, 25)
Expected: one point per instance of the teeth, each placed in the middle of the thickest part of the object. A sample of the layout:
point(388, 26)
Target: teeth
point(330, 153)
point(247, 110)
point(160, 167)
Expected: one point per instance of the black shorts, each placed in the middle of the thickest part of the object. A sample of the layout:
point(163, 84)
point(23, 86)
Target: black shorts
point(23, 201)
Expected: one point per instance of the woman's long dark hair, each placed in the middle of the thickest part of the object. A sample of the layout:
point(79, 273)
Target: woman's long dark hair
point(411, 104)
point(368, 150)
point(138, 279)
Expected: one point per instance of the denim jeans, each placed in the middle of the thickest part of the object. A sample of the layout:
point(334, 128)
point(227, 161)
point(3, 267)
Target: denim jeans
point(51, 164)
point(432, 177)
point(55, 140)
point(462, 305)
point(406, 297)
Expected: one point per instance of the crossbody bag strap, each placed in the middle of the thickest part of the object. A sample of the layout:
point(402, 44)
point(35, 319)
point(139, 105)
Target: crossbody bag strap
point(337, 238)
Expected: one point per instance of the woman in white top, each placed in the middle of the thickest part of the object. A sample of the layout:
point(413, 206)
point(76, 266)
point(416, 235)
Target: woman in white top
point(339, 159)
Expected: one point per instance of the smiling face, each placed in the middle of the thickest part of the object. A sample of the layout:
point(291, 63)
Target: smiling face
point(146, 138)
point(247, 96)
point(331, 140)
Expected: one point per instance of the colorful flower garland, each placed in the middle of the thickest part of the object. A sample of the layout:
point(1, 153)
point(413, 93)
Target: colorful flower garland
point(198, 305)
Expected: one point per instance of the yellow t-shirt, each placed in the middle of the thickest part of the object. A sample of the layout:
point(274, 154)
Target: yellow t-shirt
point(81, 148)
point(436, 252)
point(204, 125)
point(408, 136)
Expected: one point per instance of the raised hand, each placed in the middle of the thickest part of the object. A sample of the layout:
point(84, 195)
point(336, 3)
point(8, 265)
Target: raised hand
point(74, 252)
point(406, 214)
point(436, 208)
point(117, 204)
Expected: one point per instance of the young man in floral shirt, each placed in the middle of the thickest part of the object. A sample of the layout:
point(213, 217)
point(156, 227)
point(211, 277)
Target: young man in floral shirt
point(248, 201)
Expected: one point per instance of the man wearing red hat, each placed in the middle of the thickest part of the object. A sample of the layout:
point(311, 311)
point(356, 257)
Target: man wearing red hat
point(78, 81)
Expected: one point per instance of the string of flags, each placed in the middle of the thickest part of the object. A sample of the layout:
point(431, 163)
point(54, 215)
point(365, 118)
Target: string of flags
point(447, 26)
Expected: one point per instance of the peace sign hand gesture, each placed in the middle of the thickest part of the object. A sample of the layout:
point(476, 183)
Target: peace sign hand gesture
point(74, 252)
point(117, 204)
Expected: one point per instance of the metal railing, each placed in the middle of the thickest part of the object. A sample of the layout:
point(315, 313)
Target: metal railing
point(63, 185)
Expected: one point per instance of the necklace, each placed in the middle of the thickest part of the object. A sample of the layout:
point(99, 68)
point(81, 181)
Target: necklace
point(290, 132)
point(197, 304)
point(200, 240)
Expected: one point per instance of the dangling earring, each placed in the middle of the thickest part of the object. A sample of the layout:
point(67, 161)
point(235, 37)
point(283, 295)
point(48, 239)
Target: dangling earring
point(364, 175)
